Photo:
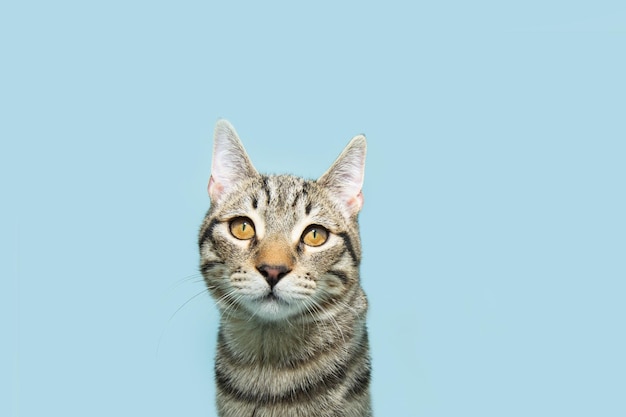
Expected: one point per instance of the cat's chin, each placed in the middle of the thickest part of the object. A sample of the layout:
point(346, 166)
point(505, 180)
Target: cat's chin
point(273, 308)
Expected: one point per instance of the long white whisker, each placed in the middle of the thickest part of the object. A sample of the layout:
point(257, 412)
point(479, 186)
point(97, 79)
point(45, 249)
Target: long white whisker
point(204, 291)
point(318, 310)
point(227, 302)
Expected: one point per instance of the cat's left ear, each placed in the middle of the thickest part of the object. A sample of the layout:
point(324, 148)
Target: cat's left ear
point(345, 177)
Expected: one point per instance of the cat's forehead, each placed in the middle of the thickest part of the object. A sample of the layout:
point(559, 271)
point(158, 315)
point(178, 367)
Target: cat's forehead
point(280, 200)
point(285, 198)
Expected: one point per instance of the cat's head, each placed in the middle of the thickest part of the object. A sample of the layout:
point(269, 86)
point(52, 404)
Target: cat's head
point(278, 246)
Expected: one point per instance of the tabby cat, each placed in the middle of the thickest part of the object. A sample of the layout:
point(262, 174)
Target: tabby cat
point(280, 255)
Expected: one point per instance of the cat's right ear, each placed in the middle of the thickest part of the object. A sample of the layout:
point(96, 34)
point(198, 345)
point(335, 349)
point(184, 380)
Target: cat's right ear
point(231, 164)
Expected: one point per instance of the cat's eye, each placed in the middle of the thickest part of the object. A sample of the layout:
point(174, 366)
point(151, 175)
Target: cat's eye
point(242, 228)
point(315, 235)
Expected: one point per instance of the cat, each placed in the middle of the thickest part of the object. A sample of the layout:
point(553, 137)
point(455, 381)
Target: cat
point(280, 255)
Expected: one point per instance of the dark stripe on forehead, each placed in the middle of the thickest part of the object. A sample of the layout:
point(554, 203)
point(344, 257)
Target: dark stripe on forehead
point(295, 200)
point(266, 188)
point(348, 242)
point(305, 195)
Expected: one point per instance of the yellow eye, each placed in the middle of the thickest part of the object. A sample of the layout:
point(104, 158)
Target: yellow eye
point(242, 228)
point(315, 235)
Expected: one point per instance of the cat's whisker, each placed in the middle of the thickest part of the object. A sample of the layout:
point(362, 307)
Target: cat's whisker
point(184, 280)
point(254, 313)
point(347, 306)
point(189, 279)
point(332, 319)
point(312, 309)
point(227, 302)
point(204, 291)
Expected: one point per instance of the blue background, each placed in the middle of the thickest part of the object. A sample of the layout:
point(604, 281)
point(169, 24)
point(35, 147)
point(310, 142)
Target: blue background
point(493, 227)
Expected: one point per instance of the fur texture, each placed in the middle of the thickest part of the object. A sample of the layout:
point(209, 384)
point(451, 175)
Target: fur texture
point(292, 338)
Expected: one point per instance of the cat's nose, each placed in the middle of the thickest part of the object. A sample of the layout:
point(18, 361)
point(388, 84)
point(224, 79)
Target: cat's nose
point(273, 273)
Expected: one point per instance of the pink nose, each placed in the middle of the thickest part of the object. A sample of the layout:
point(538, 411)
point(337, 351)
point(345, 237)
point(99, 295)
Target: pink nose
point(273, 273)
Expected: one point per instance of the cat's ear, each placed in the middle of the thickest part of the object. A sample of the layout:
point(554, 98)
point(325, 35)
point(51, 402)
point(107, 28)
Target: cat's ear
point(231, 164)
point(345, 177)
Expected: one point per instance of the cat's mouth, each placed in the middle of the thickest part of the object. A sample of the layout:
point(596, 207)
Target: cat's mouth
point(273, 300)
point(272, 297)
point(273, 306)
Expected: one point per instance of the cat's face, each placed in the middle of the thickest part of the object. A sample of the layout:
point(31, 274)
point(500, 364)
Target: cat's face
point(274, 247)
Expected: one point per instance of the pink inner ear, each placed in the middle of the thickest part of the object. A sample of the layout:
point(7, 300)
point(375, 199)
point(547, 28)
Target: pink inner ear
point(355, 203)
point(214, 188)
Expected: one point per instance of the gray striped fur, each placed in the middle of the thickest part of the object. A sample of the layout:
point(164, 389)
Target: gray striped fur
point(297, 347)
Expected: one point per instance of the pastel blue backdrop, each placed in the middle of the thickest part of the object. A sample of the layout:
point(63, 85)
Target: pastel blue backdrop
point(493, 226)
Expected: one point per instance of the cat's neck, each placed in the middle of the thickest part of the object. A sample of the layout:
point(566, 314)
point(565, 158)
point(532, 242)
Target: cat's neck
point(286, 342)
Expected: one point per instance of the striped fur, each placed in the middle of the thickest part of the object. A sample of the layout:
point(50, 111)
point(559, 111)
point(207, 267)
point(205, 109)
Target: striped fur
point(292, 339)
